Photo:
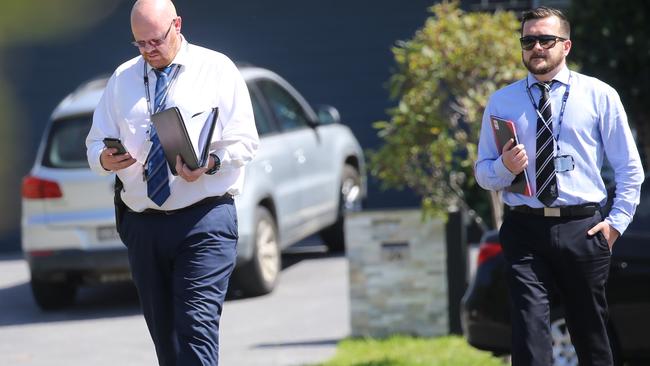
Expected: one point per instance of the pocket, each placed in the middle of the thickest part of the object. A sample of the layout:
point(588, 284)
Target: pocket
point(233, 213)
point(232, 210)
point(603, 242)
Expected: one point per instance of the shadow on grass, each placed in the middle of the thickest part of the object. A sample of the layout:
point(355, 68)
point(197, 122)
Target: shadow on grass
point(320, 342)
point(384, 362)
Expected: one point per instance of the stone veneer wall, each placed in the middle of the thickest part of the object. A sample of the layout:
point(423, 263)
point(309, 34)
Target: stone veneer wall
point(397, 273)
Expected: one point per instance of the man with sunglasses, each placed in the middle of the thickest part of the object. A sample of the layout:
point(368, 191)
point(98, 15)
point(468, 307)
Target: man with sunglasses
point(556, 236)
point(180, 231)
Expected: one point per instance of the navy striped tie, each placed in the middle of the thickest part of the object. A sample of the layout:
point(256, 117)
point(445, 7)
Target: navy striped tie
point(157, 175)
point(544, 165)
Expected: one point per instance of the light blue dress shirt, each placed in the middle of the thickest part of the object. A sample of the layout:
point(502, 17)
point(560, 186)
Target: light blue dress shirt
point(594, 125)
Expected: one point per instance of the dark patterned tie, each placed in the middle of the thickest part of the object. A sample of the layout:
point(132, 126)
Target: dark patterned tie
point(544, 165)
point(157, 175)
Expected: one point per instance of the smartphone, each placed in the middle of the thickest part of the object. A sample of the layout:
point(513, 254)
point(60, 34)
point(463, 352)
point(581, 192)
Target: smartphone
point(115, 143)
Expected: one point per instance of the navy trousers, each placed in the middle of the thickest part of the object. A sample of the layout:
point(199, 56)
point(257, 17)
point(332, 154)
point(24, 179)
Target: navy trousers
point(181, 264)
point(545, 253)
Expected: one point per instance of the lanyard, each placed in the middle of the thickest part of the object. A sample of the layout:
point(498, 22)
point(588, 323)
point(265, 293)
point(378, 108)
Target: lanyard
point(151, 111)
point(559, 123)
point(146, 87)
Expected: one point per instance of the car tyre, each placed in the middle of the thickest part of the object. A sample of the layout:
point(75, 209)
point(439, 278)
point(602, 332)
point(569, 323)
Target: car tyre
point(349, 200)
point(53, 295)
point(564, 354)
point(259, 275)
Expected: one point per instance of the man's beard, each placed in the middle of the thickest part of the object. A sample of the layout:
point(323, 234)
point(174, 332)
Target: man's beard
point(551, 64)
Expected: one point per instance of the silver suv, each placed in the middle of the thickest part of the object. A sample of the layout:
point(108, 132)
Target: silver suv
point(308, 171)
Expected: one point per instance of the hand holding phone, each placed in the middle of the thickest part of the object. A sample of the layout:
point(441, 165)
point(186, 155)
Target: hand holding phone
point(116, 144)
point(118, 160)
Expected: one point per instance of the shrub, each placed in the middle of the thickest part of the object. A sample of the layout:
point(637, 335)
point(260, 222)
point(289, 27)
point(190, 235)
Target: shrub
point(444, 76)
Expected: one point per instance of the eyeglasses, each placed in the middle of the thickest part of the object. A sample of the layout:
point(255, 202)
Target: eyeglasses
point(545, 40)
point(154, 42)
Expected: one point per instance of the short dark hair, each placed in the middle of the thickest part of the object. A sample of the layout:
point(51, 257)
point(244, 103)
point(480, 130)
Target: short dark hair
point(545, 12)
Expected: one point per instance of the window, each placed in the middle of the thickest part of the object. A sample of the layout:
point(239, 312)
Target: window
point(261, 118)
point(286, 108)
point(66, 144)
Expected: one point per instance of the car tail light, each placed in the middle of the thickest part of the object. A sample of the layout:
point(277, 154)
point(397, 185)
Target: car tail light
point(40, 253)
point(488, 250)
point(34, 187)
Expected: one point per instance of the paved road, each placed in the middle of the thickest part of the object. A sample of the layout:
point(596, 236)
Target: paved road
point(297, 324)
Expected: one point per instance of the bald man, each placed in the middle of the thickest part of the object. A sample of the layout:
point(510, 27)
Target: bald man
point(180, 231)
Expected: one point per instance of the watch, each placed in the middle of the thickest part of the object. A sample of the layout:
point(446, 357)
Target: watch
point(217, 165)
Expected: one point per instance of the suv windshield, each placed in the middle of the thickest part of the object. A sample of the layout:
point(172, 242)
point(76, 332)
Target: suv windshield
point(66, 143)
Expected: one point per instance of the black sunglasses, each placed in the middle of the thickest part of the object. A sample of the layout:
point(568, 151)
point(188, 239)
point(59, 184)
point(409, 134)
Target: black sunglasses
point(545, 40)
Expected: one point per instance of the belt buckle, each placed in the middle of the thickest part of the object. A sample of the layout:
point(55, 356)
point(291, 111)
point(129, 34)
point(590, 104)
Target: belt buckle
point(552, 212)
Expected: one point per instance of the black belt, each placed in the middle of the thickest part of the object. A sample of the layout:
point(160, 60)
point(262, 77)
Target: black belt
point(565, 211)
point(205, 201)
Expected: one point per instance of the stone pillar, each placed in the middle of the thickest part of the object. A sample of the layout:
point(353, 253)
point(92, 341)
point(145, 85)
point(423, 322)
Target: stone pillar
point(398, 274)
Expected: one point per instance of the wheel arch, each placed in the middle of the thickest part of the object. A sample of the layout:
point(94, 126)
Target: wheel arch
point(267, 202)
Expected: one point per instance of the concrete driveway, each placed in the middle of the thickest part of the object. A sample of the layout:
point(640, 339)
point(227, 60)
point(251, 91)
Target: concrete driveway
point(298, 324)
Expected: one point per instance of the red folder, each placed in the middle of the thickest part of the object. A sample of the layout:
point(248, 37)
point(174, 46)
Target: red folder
point(505, 130)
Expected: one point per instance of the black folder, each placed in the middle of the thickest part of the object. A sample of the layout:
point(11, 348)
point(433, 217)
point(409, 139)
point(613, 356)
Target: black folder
point(176, 140)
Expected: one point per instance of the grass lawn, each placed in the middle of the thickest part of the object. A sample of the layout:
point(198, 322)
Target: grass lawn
point(408, 351)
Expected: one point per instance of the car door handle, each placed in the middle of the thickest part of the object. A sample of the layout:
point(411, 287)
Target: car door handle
point(300, 156)
point(268, 168)
point(618, 266)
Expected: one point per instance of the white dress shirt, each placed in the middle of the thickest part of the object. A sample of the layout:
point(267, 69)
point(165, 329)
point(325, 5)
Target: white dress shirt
point(207, 79)
point(594, 125)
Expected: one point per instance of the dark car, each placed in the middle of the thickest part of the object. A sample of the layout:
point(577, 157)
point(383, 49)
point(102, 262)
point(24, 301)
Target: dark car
point(485, 312)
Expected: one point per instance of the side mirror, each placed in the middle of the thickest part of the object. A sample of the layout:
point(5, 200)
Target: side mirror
point(328, 115)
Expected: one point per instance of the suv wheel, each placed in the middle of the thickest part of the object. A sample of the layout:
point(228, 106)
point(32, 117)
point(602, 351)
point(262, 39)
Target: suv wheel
point(349, 200)
point(259, 275)
point(53, 295)
point(564, 354)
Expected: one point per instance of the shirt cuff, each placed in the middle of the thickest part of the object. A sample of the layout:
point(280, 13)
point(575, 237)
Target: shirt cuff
point(502, 172)
point(97, 165)
point(224, 158)
point(618, 221)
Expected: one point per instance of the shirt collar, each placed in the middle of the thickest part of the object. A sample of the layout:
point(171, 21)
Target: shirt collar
point(562, 77)
point(182, 57)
